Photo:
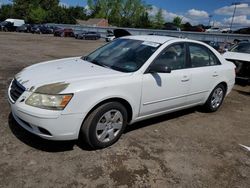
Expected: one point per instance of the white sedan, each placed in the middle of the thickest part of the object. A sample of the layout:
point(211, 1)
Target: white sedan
point(128, 80)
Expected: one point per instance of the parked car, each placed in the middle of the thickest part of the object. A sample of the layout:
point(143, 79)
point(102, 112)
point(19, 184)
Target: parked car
point(171, 26)
point(213, 30)
point(66, 32)
point(121, 33)
point(7, 26)
point(243, 31)
point(78, 34)
point(128, 80)
point(109, 38)
point(11, 24)
point(24, 28)
point(239, 54)
point(42, 29)
point(89, 36)
point(34, 28)
point(195, 29)
point(16, 22)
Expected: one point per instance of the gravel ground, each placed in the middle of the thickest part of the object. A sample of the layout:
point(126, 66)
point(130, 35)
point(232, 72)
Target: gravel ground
point(184, 149)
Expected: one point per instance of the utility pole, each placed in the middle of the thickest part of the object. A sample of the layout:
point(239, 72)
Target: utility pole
point(235, 6)
point(209, 21)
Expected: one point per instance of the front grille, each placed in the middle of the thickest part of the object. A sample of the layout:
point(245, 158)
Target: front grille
point(16, 90)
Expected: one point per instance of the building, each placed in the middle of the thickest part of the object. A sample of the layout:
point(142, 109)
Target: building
point(94, 22)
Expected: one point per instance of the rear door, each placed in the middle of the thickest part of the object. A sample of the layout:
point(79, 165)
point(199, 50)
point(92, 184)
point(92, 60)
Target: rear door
point(205, 68)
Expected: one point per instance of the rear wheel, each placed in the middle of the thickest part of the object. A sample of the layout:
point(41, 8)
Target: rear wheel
point(105, 125)
point(215, 99)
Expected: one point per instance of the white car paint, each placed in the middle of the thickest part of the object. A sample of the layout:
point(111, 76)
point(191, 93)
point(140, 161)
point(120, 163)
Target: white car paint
point(92, 84)
point(237, 56)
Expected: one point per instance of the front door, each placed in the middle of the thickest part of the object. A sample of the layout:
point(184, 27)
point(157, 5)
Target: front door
point(166, 91)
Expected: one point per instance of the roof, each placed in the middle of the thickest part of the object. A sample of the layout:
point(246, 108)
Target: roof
point(91, 21)
point(151, 38)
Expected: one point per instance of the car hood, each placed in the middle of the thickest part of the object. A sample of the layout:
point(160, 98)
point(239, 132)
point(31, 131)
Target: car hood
point(68, 71)
point(237, 56)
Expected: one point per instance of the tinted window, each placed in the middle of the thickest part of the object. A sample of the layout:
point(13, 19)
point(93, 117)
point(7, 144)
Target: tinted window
point(201, 56)
point(172, 57)
point(241, 48)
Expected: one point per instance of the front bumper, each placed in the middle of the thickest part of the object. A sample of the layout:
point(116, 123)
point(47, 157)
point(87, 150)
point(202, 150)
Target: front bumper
point(48, 124)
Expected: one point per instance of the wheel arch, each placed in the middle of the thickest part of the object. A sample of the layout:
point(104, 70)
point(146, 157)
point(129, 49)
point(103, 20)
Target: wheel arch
point(124, 102)
point(225, 85)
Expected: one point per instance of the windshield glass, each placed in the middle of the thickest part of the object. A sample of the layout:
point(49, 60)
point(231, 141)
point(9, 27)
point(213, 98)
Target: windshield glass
point(124, 55)
point(241, 48)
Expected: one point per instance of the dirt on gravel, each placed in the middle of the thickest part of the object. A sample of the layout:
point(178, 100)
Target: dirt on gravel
point(184, 149)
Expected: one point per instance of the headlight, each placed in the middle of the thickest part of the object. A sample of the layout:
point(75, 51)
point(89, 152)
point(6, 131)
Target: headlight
point(50, 102)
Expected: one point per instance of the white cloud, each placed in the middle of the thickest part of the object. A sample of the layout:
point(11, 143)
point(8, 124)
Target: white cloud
point(238, 20)
point(217, 24)
point(168, 16)
point(65, 5)
point(241, 9)
point(197, 14)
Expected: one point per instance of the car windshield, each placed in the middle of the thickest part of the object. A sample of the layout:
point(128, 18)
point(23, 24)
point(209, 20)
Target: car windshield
point(241, 48)
point(125, 55)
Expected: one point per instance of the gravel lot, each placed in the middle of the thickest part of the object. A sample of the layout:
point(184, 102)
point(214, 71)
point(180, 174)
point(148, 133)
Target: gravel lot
point(185, 149)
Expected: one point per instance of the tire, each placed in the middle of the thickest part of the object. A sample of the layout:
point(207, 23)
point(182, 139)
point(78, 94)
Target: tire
point(105, 125)
point(215, 99)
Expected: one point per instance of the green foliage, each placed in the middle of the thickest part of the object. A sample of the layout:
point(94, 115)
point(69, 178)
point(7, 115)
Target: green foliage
point(177, 21)
point(158, 20)
point(41, 11)
point(37, 15)
point(5, 12)
point(125, 13)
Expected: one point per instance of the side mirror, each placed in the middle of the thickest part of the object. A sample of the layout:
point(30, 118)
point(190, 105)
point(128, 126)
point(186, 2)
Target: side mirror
point(159, 69)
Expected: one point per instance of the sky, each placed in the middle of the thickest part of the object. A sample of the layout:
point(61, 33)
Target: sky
point(194, 11)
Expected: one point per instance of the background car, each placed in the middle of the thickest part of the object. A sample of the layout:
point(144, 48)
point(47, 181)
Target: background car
point(239, 54)
point(79, 34)
point(24, 28)
point(213, 30)
point(66, 32)
point(7, 26)
point(89, 35)
point(194, 29)
point(109, 37)
point(243, 31)
point(11, 24)
point(171, 26)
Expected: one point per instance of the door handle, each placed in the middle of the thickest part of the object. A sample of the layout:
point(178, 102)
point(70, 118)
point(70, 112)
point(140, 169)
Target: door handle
point(215, 74)
point(185, 79)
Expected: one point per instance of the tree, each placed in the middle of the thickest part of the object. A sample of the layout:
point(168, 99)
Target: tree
point(126, 13)
point(6, 11)
point(186, 26)
point(77, 12)
point(24, 8)
point(37, 15)
point(177, 21)
point(159, 20)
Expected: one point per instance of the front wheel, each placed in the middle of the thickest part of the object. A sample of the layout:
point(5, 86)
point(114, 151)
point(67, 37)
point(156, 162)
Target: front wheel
point(215, 99)
point(105, 125)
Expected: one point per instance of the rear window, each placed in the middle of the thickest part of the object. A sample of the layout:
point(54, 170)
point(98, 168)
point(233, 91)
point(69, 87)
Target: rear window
point(241, 48)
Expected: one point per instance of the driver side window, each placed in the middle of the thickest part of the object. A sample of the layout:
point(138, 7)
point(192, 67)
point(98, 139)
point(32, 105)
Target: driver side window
point(173, 57)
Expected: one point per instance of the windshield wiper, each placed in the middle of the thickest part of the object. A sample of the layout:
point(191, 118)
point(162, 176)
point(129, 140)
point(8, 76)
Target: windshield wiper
point(97, 63)
point(86, 58)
